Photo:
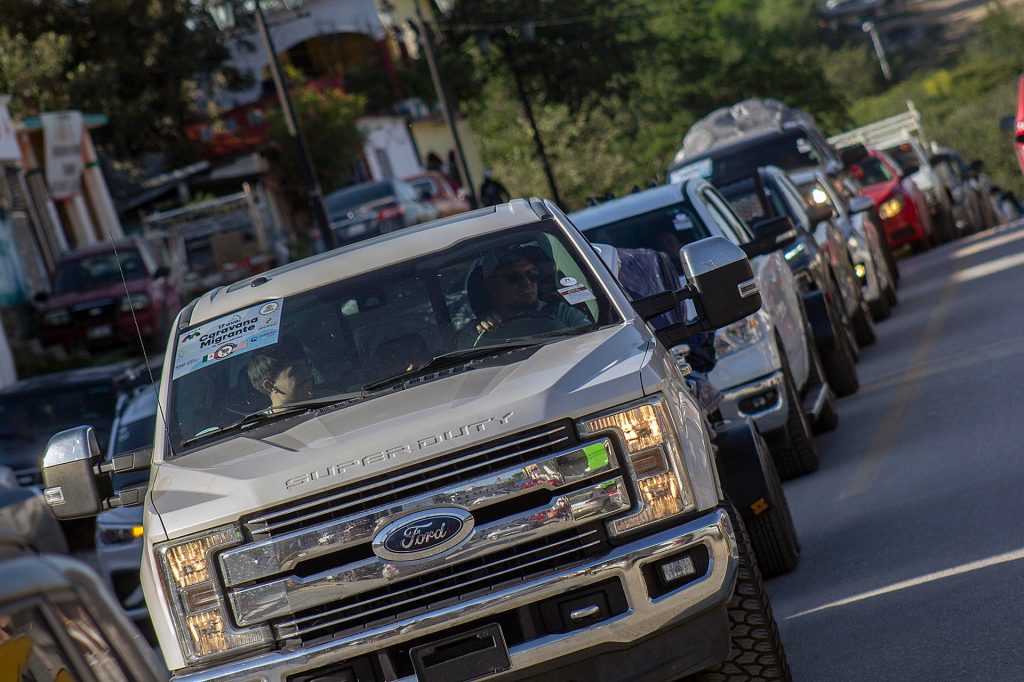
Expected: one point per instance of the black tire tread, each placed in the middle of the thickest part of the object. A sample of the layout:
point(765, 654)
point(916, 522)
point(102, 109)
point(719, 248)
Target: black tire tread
point(880, 309)
point(839, 363)
point(756, 652)
point(772, 532)
point(794, 453)
point(863, 327)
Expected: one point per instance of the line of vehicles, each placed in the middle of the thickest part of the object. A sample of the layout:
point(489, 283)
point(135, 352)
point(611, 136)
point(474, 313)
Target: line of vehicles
point(506, 444)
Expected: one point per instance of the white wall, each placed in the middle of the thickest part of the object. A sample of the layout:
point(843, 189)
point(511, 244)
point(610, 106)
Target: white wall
point(388, 137)
point(288, 29)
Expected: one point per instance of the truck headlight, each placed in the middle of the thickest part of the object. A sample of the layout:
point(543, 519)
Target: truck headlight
point(57, 318)
point(654, 459)
point(201, 620)
point(890, 208)
point(739, 335)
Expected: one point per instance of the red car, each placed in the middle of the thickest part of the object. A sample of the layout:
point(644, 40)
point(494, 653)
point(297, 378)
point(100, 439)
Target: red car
point(900, 204)
point(440, 192)
point(89, 306)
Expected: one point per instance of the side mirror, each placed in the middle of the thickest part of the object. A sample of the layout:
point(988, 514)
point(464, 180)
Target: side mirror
point(770, 234)
point(721, 284)
point(77, 480)
point(819, 213)
point(861, 204)
point(41, 297)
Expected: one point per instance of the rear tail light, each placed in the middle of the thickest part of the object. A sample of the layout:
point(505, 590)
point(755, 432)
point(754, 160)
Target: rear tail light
point(391, 212)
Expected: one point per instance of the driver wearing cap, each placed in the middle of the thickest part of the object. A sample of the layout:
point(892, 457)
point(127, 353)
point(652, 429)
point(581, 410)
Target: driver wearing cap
point(510, 278)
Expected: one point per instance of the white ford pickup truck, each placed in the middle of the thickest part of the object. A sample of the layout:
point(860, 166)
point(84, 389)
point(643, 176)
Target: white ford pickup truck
point(453, 452)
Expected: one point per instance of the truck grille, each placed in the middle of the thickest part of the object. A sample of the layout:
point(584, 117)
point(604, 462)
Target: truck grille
point(410, 482)
point(444, 587)
point(538, 500)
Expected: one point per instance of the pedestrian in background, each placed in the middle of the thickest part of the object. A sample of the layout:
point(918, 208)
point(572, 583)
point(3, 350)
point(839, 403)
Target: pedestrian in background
point(492, 192)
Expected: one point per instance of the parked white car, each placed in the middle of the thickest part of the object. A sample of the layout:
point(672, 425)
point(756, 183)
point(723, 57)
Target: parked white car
point(768, 367)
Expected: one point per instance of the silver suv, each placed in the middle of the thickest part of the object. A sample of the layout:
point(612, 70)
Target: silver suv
point(454, 452)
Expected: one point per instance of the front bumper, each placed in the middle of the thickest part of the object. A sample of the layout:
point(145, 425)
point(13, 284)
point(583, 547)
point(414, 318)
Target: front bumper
point(737, 402)
point(645, 616)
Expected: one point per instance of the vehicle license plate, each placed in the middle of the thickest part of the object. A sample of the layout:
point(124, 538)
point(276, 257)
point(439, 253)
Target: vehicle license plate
point(357, 229)
point(100, 332)
point(463, 657)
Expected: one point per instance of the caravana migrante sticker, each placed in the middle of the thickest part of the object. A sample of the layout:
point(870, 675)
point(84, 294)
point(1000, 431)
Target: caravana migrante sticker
point(224, 337)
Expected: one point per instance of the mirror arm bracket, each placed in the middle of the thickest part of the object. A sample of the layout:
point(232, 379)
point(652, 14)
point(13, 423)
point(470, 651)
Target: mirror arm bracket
point(136, 460)
point(651, 306)
point(131, 496)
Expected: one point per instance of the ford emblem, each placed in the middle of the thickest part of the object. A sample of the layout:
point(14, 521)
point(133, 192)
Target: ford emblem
point(423, 534)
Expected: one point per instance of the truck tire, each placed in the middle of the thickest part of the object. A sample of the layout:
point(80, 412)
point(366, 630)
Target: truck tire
point(863, 326)
point(840, 362)
point(792, 446)
point(772, 532)
point(756, 651)
point(880, 308)
point(890, 296)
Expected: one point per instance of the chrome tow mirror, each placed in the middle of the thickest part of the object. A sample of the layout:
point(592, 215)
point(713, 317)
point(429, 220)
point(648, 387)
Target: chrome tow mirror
point(76, 478)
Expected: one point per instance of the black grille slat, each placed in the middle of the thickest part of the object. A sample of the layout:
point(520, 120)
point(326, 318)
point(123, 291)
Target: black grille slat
point(410, 481)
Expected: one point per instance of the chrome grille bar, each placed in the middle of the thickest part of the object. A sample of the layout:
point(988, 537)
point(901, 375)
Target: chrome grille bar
point(292, 629)
point(290, 594)
point(267, 558)
point(264, 524)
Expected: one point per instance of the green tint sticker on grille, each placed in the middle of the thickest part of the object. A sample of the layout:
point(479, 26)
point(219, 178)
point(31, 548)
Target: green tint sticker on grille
point(597, 456)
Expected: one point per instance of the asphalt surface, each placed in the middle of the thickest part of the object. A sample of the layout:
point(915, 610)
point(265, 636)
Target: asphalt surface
point(912, 563)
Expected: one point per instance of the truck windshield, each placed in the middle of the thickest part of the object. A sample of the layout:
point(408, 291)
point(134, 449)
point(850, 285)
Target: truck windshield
point(98, 270)
point(871, 171)
point(524, 284)
point(666, 229)
point(748, 203)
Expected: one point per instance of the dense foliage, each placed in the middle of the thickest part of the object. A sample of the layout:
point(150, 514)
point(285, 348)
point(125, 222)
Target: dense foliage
point(616, 84)
point(134, 60)
point(328, 121)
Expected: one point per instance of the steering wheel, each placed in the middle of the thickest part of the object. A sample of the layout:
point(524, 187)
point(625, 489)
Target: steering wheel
point(522, 324)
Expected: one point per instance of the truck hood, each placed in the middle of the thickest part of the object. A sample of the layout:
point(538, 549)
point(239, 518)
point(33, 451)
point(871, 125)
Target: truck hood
point(563, 379)
point(881, 191)
point(113, 291)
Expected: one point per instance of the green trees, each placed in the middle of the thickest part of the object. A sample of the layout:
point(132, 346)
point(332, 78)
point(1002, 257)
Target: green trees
point(134, 60)
point(616, 84)
point(328, 120)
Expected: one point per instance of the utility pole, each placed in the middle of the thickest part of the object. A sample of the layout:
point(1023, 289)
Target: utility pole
point(528, 110)
point(314, 197)
point(446, 111)
point(876, 40)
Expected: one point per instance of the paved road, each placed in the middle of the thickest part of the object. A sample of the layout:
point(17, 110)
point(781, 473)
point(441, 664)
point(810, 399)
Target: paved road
point(912, 533)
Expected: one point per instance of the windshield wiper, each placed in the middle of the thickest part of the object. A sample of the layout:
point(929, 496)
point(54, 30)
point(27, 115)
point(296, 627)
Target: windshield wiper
point(452, 359)
point(268, 414)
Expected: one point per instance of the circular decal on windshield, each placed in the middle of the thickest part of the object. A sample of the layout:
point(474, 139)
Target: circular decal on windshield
point(268, 308)
point(224, 351)
point(567, 281)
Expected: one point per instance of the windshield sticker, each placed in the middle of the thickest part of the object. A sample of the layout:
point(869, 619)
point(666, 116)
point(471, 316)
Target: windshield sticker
point(219, 339)
point(576, 293)
point(698, 169)
point(682, 222)
point(567, 281)
point(803, 146)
